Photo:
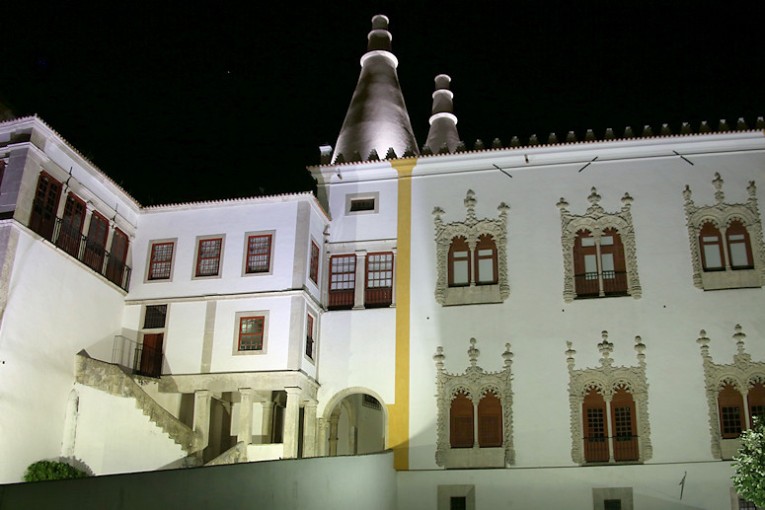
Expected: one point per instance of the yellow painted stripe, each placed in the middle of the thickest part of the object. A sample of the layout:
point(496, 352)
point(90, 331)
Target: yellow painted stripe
point(398, 424)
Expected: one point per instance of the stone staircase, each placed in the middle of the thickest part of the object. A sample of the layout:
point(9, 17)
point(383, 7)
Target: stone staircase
point(114, 380)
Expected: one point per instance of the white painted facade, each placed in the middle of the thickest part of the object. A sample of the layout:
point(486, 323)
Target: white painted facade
point(366, 377)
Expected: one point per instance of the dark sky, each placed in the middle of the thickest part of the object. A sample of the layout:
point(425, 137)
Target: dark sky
point(181, 103)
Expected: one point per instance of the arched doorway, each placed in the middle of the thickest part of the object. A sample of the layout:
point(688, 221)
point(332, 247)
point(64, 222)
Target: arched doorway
point(355, 423)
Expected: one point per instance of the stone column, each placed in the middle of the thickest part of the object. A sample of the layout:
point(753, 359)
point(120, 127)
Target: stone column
point(361, 283)
point(268, 421)
point(202, 415)
point(244, 431)
point(333, 421)
point(309, 429)
point(291, 426)
point(609, 429)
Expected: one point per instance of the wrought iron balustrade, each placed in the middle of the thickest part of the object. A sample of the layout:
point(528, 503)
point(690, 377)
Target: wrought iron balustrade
point(588, 284)
point(598, 449)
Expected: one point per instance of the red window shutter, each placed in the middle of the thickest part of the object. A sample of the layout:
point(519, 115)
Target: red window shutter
point(614, 282)
point(756, 401)
point(45, 206)
point(95, 246)
point(731, 408)
point(313, 273)
point(459, 256)
point(623, 422)
point(489, 421)
point(585, 279)
point(711, 248)
point(115, 267)
point(342, 282)
point(595, 427)
point(461, 422)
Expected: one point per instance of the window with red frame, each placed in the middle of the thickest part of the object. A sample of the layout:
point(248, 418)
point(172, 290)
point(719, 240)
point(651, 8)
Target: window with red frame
point(258, 254)
point(379, 288)
point(116, 265)
point(459, 263)
point(485, 261)
point(95, 246)
point(342, 281)
point(161, 261)
point(731, 407)
point(489, 421)
point(313, 272)
point(251, 333)
point(755, 399)
point(70, 231)
point(710, 242)
point(45, 206)
point(309, 335)
point(739, 248)
point(461, 422)
point(208, 256)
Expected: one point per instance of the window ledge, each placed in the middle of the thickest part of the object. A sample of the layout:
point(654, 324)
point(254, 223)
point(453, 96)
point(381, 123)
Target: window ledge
point(740, 278)
point(461, 458)
point(473, 295)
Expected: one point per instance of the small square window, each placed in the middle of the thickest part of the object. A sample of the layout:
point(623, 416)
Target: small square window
point(258, 254)
point(161, 260)
point(362, 203)
point(155, 317)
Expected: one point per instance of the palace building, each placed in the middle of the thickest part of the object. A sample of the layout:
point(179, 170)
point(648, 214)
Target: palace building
point(553, 323)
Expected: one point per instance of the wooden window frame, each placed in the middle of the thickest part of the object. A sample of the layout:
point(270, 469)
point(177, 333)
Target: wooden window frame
point(203, 257)
point(252, 250)
point(45, 203)
point(153, 275)
point(490, 426)
point(95, 244)
point(313, 266)
point(376, 293)
point(342, 283)
point(486, 242)
point(708, 230)
point(729, 399)
point(596, 449)
point(459, 244)
point(359, 203)
point(737, 227)
point(257, 339)
point(117, 263)
point(310, 335)
point(755, 402)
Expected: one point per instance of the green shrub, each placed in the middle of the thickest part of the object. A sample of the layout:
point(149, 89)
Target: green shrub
point(52, 470)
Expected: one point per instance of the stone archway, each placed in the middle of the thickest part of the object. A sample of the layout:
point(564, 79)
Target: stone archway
point(355, 422)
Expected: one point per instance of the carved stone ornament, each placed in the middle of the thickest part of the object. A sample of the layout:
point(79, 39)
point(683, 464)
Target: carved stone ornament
point(471, 229)
point(474, 382)
point(606, 380)
point(742, 374)
point(721, 214)
point(596, 220)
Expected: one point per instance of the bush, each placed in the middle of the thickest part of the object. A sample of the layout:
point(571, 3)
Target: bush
point(749, 464)
point(52, 470)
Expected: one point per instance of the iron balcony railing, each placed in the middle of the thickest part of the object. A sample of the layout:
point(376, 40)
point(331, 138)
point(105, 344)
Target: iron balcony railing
point(588, 284)
point(92, 253)
point(597, 449)
point(378, 297)
point(140, 359)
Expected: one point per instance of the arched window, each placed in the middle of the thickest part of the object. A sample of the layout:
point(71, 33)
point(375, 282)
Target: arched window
point(613, 269)
point(731, 407)
point(485, 261)
point(623, 422)
point(461, 421)
point(489, 421)
point(739, 247)
point(585, 265)
point(710, 242)
point(459, 262)
point(756, 402)
point(595, 427)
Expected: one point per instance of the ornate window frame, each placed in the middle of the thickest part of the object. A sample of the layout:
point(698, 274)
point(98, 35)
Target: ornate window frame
point(596, 220)
point(474, 382)
point(606, 380)
point(721, 215)
point(471, 229)
point(742, 374)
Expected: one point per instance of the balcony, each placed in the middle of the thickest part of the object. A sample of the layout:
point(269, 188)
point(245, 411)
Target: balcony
point(378, 297)
point(598, 449)
point(91, 253)
point(588, 285)
point(142, 360)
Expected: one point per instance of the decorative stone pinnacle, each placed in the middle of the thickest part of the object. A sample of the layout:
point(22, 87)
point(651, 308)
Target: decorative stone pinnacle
point(473, 353)
point(439, 358)
point(562, 204)
point(570, 352)
point(507, 355)
point(687, 195)
point(739, 336)
point(752, 189)
point(594, 198)
point(606, 348)
point(503, 208)
point(703, 342)
point(437, 212)
point(718, 183)
point(640, 348)
point(627, 200)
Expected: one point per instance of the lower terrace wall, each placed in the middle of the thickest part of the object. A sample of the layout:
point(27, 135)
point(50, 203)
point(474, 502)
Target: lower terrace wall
point(365, 482)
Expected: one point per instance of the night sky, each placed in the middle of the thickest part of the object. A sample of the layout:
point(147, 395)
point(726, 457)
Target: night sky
point(230, 100)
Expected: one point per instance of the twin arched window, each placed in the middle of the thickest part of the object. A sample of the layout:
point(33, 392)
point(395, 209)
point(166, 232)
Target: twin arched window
point(472, 267)
point(606, 438)
point(734, 253)
point(463, 424)
point(732, 414)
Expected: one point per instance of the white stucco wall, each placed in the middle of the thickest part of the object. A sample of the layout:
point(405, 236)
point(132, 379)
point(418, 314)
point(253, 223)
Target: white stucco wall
point(56, 307)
